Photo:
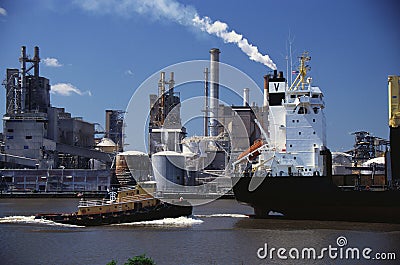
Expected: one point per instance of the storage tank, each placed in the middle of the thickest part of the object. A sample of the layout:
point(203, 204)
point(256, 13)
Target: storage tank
point(168, 167)
point(132, 164)
point(107, 145)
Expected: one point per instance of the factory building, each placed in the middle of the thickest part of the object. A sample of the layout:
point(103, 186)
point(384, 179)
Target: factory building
point(36, 134)
point(178, 160)
point(165, 127)
point(114, 127)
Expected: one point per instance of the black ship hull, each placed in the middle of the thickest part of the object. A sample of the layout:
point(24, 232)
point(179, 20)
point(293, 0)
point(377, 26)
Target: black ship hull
point(159, 211)
point(317, 198)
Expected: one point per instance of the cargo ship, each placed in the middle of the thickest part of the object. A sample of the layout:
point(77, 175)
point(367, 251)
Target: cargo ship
point(288, 173)
point(126, 205)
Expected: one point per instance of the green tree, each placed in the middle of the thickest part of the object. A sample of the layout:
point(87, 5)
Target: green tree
point(140, 260)
point(137, 260)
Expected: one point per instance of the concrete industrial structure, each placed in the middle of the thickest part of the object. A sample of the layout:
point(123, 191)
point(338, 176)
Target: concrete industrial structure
point(36, 134)
point(43, 147)
point(165, 127)
point(178, 160)
point(114, 127)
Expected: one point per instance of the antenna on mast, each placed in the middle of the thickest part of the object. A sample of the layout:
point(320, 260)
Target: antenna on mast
point(290, 58)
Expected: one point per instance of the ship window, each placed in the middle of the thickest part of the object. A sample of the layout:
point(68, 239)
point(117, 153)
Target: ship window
point(316, 110)
point(100, 208)
point(313, 120)
point(28, 137)
point(314, 96)
point(10, 130)
point(297, 120)
point(299, 133)
point(26, 147)
point(313, 133)
point(292, 96)
point(315, 145)
point(290, 145)
point(292, 120)
point(294, 158)
point(302, 110)
point(88, 210)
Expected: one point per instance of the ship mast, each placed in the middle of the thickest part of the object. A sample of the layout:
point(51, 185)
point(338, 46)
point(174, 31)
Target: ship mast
point(300, 79)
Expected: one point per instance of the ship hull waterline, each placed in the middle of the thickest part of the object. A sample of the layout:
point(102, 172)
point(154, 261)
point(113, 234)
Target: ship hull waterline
point(316, 198)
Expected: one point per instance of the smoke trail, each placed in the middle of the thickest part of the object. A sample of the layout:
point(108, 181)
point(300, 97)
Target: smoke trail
point(182, 14)
point(220, 29)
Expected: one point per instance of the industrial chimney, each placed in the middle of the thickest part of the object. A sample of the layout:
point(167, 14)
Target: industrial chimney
point(246, 97)
point(214, 91)
point(206, 101)
point(266, 85)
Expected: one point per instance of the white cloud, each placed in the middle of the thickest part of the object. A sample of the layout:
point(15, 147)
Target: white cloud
point(129, 72)
point(66, 89)
point(3, 12)
point(51, 62)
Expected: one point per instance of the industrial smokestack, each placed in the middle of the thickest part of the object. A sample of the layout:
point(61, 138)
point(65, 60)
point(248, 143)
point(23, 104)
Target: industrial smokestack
point(161, 92)
point(171, 82)
point(36, 61)
point(206, 101)
point(246, 97)
point(214, 91)
point(266, 85)
point(23, 60)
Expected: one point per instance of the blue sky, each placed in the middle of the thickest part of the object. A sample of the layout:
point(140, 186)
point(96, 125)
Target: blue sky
point(104, 52)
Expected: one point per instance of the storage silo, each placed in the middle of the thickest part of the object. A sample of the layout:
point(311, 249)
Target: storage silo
point(168, 167)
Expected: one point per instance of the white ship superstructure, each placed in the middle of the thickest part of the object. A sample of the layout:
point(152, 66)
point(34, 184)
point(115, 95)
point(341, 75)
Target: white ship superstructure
point(296, 127)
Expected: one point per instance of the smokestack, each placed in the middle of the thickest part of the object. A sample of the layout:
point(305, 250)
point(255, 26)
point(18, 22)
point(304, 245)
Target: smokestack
point(206, 101)
point(23, 60)
point(266, 85)
point(214, 91)
point(161, 92)
point(171, 82)
point(246, 97)
point(36, 61)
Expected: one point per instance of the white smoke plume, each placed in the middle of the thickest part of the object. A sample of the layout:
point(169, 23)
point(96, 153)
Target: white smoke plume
point(220, 29)
point(182, 14)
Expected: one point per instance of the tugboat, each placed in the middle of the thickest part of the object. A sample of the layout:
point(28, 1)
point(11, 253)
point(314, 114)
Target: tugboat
point(126, 205)
point(290, 171)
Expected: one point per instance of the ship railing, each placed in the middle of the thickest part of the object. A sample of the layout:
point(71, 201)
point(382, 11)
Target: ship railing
point(127, 188)
point(85, 203)
point(135, 198)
